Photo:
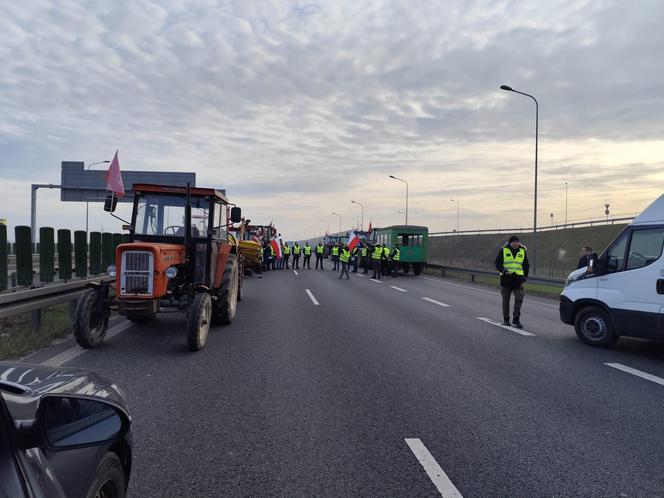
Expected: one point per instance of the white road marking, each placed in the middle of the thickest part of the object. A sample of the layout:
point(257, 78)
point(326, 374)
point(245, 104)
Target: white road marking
point(398, 288)
point(311, 296)
point(295, 271)
point(439, 281)
point(428, 299)
point(374, 280)
point(360, 275)
point(638, 373)
point(497, 324)
point(433, 470)
point(69, 354)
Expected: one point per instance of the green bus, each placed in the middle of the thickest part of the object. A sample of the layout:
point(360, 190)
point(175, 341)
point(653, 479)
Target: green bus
point(413, 242)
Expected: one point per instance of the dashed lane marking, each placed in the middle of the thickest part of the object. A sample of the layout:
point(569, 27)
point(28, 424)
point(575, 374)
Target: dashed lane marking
point(498, 324)
point(75, 351)
point(374, 280)
point(295, 271)
point(442, 305)
point(360, 275)
point(638, 373)
point(311, 296)
point(398, 288)
point(433, 470)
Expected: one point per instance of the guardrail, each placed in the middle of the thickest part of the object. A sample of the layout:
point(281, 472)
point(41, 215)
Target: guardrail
point(554, 282)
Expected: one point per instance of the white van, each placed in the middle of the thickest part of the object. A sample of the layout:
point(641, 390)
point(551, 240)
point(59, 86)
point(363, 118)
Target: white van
point(624, 294)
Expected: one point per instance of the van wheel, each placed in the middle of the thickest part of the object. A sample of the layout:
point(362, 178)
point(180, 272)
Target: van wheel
point(593, 327)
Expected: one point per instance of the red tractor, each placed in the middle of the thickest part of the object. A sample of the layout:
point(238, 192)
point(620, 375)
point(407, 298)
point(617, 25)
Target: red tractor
point(180, 258)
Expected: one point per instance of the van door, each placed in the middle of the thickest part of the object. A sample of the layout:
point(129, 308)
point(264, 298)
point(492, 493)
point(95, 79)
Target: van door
point(629, 287)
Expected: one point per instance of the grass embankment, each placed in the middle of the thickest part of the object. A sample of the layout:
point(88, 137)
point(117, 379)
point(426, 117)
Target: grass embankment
point(18, 339)
point(494, 282)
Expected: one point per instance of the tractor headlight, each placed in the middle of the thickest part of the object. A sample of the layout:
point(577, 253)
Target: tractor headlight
point(171, 272)
point(111, 271)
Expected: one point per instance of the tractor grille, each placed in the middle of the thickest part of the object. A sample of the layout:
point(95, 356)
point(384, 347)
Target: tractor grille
point(136, 273)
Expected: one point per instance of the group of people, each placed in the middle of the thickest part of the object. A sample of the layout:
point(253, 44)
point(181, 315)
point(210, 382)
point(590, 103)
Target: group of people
point(383, 260)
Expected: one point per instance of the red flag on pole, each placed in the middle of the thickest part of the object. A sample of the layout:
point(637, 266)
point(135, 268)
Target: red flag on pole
point(114, 177)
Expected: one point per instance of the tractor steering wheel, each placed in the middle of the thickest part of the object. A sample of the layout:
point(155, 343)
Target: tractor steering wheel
point(175, 228)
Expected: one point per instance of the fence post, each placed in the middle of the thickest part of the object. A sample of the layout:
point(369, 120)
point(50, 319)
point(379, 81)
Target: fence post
point(95, 253)
point(4, 250)
point(81, 253)
point(23, 255)
point(64, 254)
point(107, 255)
point(46, 254)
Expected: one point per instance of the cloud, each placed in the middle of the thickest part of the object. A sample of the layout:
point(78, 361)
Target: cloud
point(297, 107)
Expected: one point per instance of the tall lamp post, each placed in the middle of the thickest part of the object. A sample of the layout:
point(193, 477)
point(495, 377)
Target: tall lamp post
point(328, 225)
point(362, 206)
point(402, 180)
point(510, 89)
point(87, 204)
point(458, 203)
point(337, 214)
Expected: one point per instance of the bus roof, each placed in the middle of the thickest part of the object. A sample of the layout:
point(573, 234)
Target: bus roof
point(404, 227)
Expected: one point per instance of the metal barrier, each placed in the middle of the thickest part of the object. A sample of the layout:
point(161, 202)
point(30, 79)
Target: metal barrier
point(554, 282)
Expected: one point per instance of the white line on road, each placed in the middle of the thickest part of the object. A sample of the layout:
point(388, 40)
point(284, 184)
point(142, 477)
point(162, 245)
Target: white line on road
point(311, 296)
point(374, 280)
point(638, 373)
point(506, 327)
point(398, 288)
point(360, 275)
point(69, 354)
point(295, 271)
point(428, 299)
point(433, 470)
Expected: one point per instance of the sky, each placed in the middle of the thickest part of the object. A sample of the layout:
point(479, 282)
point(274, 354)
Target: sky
point(298, 107)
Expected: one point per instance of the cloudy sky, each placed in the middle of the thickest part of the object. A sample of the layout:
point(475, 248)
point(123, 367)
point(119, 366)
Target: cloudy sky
point(298, 107)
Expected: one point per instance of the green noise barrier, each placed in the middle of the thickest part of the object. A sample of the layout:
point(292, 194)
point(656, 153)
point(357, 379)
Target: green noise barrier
point(95, 253)
point(23, 255)
point(107, 255)
point(64, 254)
point(81, 253)
point(46, 254)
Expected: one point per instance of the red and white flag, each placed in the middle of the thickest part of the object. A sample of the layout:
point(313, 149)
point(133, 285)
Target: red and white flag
point(114, 177)
point(353, 240)
point(276, 245)
point(369, 226)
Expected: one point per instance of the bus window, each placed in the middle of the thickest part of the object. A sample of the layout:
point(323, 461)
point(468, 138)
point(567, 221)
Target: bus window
point(410, 239)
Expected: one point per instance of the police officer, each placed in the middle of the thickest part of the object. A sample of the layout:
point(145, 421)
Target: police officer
point(320, 249)
point(365, 257)
point(354, 256)
point(335, 257)
point(287, 252)
point(385, 261)
point(376, 258)
point(512, 263)
point(344, 257)
point(296, 256)
point(396, 258)
point(307, 256)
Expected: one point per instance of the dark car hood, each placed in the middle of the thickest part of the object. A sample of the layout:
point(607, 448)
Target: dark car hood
point(35, 381)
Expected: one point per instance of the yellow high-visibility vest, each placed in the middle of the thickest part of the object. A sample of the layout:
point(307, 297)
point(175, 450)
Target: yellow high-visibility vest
point(364, 252)
point(319, 249)
point(335, 251)
point(514, 264)
point(296, 250)
point(377, 252)
point(307, 250)
point(286, 250)
point(345, 256)
point(397, 255)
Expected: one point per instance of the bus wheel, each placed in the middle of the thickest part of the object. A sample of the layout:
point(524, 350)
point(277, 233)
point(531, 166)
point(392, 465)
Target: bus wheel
point(405, 267)
point(417, 268)
point(593, 326)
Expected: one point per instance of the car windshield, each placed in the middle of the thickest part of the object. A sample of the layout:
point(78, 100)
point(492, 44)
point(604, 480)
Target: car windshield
point(165, 215)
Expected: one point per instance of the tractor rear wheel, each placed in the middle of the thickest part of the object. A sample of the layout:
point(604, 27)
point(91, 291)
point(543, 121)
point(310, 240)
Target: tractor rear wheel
point(198, 321)
point(90, 320)
point(228, 293)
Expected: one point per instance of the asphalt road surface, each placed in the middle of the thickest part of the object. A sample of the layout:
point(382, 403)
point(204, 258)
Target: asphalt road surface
point(334, 388)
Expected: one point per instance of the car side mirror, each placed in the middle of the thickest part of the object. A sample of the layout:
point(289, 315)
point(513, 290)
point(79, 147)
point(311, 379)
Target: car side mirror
point(110, 203)
point(70, 422)
point(236, 214)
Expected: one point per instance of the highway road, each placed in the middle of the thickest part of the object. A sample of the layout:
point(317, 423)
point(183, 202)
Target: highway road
point(334, 388)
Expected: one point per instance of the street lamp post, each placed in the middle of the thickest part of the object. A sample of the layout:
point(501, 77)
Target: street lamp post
point(337, 214)
point(328, 225)
point(458, 203)
point(362, 206)
point(510, 89)
point(87, 203)
point(402, 180)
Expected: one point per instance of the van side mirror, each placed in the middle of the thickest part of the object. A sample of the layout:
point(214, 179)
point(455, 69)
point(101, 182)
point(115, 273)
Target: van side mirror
point(110, 204)
point(236, 214)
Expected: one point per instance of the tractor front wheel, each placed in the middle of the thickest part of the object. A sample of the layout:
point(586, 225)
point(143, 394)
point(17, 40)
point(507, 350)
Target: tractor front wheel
point(228, 293)
point(91, 319)
point(198, 322)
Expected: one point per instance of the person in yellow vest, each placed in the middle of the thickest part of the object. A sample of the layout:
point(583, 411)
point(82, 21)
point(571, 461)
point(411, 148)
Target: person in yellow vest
point(344, 257)
point(287, 252)
point(354, 256)
point(320, 250)
point(364, 252)
point(396, 258)
point(334, 253)
point(376, 257)
point(307, 256)
point(385, 262)
point(512, 263)
point(296, 256)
